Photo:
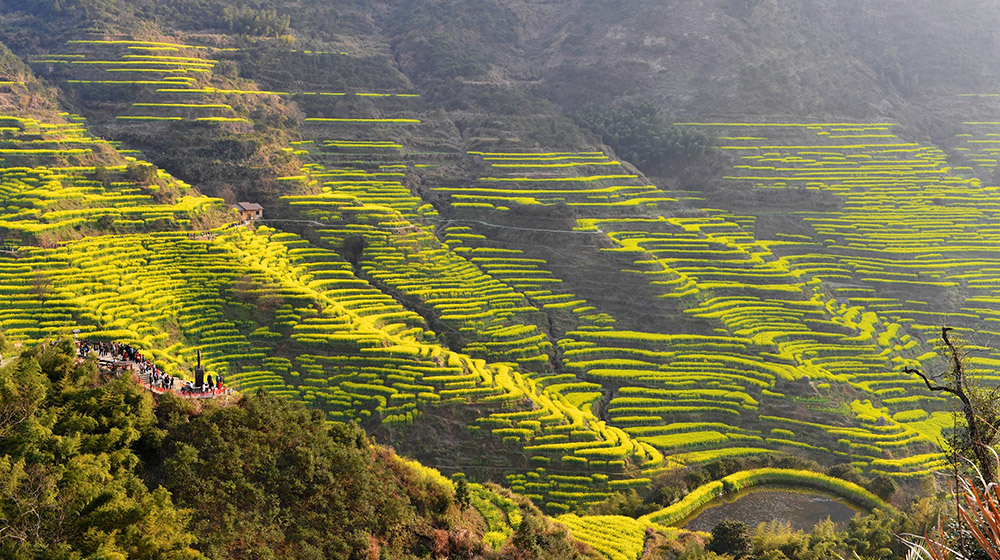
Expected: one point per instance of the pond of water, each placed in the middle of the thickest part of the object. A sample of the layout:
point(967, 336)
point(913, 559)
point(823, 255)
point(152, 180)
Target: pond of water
point(803, 509)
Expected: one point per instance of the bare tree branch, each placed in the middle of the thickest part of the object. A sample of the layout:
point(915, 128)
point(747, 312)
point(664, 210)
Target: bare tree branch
point(979, 447)
point(930, 386)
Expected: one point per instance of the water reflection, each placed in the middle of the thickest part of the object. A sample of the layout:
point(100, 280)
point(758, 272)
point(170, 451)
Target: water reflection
point(803, 509)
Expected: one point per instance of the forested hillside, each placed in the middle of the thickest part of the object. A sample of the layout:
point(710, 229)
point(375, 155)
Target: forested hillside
point(605, 255)
point(260, 478)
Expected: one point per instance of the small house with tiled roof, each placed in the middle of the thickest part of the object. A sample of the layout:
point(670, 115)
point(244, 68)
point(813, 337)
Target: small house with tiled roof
point(249, 210)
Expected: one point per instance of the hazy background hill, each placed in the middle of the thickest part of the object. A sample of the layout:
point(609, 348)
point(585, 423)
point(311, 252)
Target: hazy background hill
point(849, 58)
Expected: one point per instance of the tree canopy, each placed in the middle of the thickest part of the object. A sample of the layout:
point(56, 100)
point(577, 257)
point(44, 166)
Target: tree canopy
point(69, 486)
point(91, 466)
point(638, 132)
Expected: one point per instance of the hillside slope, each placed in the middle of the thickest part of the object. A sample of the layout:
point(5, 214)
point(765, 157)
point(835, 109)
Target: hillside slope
point(449, 260)
point(92, 465)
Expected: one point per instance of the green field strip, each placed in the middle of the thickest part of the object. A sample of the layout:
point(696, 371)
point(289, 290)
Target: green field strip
point(614, 537)
point(745, 479)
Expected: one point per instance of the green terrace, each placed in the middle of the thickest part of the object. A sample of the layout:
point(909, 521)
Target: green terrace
point(529, 276)
point(781, 338)
point(665, 387)
point(589, 181)
point(782, 329)
point(266, 309)
point(912, 233)
point(433, 312)
point(358, 108)
point(353, 357)
point(502, 515)
point(165, 82)
point(668, 395)
point(489, 298)
point(350, 112)
point(57, 181)
point(741, 284)
point(347, 151)
point(563, 431)
point(355, 151)
point(614, 537)
point(158, 81)
point(405, 258)
point(979, 144)
point(594, 409)
point(44, 200)
point(28, 142)
point(127, 62)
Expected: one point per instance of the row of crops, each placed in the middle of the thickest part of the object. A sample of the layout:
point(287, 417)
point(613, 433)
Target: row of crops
point(159, 74)
point(327, 337)
point(170, 82)
point(356, 180)
point(494, 302)
point(974, 147)
point(58, 180)
point(164, 293)
point(271, 310)
point(499, 324)
point(585, 180)
point(624, 538)
point(406, 258)
point(911, 240)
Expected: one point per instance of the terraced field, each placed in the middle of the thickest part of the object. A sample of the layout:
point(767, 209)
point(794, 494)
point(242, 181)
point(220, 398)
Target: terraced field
point(585, 180)
point(55, 183)
point(163, 75)
point(606, 401)
point(270, 310)
point(780, 341)
point(474, 289)
point(448, 260)
point(173, 82)
point(913, 240)
point(594, 408)
point(491, 302)
point(169, 293)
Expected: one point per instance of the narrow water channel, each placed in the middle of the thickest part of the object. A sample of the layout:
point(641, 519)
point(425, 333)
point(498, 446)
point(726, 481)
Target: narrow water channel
point(803, 509)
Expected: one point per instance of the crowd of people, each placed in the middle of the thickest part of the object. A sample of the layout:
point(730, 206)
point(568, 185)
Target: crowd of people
point(208, 386)
point(147, 372)
point(116, 350)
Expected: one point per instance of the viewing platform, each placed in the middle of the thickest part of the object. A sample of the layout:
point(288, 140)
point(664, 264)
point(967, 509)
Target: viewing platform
point(120, 358)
